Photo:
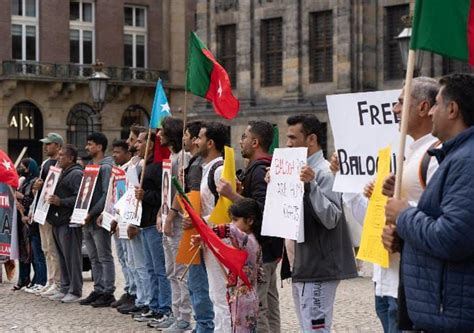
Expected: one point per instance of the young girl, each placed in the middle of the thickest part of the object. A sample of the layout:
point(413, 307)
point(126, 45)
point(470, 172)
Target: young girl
point(243, 301)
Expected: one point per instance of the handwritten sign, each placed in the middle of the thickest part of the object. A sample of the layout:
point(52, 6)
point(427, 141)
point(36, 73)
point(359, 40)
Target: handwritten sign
point(127, 204)
point(371, 247)
point(283, 213)
point(42, 205)
point(86, 190)
point(361, 124)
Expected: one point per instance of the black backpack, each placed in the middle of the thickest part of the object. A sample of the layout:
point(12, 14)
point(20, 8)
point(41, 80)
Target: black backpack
point(210, 180)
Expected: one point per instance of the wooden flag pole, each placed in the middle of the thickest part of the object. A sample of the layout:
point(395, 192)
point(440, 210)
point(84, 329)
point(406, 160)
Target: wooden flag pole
point(404, 123)
point(185, 121)
point(198, 250)
point(142, 175)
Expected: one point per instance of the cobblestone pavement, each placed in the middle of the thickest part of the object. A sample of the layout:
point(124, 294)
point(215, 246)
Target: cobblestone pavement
point(23, 312)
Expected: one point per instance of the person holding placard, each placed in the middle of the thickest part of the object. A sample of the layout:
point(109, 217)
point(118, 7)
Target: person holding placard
point(255, 143)
point(52, 144)
point(68, 238)
point(171, 135)
point(326, 255)
point(96, 238)
point(155, 283)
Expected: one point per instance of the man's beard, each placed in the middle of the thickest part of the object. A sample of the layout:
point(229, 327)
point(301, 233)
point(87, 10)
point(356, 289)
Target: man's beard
point(132, 150)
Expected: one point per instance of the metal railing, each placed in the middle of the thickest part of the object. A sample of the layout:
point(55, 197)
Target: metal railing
point(33, 70)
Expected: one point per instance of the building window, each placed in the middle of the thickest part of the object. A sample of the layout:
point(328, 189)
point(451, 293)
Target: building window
point(271, 56)
point(24, 30)
point(81, 121)
point(227, 50)
point(81, 32)
point(135, 37)
point(320, 47)
point(133, 115)
point(393, 67)
point(455, 66)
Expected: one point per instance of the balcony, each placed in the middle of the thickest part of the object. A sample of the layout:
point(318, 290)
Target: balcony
point(40, 71)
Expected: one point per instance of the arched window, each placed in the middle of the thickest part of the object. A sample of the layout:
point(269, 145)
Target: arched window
point(81, 121)
point(133, 115)
point(25, 129)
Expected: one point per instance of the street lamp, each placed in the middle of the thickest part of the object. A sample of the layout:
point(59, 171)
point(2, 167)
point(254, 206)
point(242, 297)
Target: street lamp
point(403, 40)
point(98, 85)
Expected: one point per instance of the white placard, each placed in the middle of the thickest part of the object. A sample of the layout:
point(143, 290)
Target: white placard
point(49, 186)
point(362, 123)
point(165, 190)
point(117, 188)
point(86, 190)
point(283, 213)
point(127, 204)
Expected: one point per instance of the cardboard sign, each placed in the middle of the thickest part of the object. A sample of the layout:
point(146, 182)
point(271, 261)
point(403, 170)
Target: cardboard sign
point(8, 225)
point(115, 191)
point(283, 213)
point(165, 190)
point(126, 205)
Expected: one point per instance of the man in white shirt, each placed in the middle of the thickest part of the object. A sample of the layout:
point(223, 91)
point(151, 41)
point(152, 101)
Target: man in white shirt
point(414, 178)
point(212, 138)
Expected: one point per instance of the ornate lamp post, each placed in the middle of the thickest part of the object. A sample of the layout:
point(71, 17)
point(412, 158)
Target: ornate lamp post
point(98, 85)
point(403, 40)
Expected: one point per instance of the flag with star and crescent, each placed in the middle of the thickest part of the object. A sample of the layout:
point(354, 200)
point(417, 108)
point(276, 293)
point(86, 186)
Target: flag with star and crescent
point(8, 174)
point(205, 77)
point(161, 108)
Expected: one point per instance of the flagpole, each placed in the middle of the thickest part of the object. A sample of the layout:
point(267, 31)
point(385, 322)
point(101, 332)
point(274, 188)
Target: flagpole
point(142, 175)
point(404, 122)
point(185, 121)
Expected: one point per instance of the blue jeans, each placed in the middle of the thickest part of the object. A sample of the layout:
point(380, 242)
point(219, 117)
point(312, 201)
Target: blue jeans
point(39, 262)
point(160, 287)
point(136, 259)
point(199, 293)
point(130, 287)
point(386, 308)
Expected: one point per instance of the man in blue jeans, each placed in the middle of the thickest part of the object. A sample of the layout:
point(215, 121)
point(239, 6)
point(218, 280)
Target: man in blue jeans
point(150, 196)
point(197, 275)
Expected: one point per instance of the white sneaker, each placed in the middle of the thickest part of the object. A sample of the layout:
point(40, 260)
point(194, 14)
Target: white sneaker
point(53, 289)
point(45, 287)
point(57, 297)
point(70, 298)
point(34, 288)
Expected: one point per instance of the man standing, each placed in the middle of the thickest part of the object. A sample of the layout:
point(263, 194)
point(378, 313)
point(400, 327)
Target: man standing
point(211, 141)
point(97, 239)
point(438, 256)
point(121, 156)
point(326, 255)
point(255, 144)
point(198, 284)
point(52, 145)
point(150, 196)
point(68, 238)
point(171, 136)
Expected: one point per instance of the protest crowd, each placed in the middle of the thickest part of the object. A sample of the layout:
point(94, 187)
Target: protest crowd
point(158, 197)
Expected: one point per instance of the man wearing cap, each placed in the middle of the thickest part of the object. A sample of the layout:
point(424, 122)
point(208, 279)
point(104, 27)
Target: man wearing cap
point(52, 144)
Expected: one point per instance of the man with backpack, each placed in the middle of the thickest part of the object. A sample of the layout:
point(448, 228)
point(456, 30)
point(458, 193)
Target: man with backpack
point(255, 144)
point(212, 138)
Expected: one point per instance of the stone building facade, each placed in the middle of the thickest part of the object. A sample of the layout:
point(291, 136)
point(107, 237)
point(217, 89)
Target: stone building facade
point(46, 54)
point(285, 56)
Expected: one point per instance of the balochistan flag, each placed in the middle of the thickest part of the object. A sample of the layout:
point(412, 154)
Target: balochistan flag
point(161, 108)
point(444, 27)
point(208, 79)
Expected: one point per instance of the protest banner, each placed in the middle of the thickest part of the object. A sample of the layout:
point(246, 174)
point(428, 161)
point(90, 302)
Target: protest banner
point(220, 214)
point(84, 198)
point(362, 123)
point(283, 212)
point(128, 207)
point(114, 193)
point(165, 190)
point(7, 222)
point(42, 205)
point(371, 248)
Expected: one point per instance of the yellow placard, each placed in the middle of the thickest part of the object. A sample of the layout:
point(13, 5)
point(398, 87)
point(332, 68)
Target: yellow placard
point(185, 253)
point(371, 247)
point(220, 214)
